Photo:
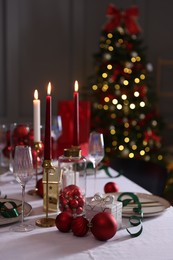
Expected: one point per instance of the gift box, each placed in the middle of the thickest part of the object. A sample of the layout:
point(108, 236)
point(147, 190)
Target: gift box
point(66, 111)
point(106, 203)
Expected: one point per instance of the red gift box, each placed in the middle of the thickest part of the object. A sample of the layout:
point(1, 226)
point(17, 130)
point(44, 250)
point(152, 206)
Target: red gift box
point(66, 111)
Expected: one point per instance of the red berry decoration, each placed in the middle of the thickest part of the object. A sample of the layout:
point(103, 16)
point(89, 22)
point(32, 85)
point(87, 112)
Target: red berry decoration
point(80, 226)
point(63, 221)
point(103, 226)
point(111, 187)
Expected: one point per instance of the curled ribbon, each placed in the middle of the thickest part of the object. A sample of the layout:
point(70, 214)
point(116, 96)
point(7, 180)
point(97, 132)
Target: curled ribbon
point(118, 17)
point(106, 169)
point(134, 220)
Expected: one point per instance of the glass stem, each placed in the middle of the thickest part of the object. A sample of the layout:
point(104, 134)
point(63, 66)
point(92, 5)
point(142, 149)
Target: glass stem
point(23, 202)
point(95, 173)
point(55, 148)
point(36, 171)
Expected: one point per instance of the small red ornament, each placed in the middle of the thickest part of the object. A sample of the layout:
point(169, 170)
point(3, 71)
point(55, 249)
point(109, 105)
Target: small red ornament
point(79, 211)
point(111, 187)
point(81, 201)
point(71, 197)
point(63, 221)
point(73, 203)
point(19, 136)
point(21, 131)
point(80, 226)
point(103, 226)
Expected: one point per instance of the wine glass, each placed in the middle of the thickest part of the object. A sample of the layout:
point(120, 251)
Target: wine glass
point(56, 131)
point(23, 172)
point(3, 141)
point(95, 149)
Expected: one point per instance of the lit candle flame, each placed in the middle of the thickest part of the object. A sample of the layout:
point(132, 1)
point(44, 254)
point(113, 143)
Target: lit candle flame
point(76, 87)
point(49, 89)
point(36, 94)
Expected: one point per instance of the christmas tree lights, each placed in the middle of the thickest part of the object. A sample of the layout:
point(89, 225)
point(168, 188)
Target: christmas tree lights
point(123, 105)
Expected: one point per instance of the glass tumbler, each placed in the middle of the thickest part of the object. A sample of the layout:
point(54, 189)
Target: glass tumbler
point(73, 183)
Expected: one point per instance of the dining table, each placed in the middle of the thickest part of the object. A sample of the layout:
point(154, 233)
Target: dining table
point(47, 243)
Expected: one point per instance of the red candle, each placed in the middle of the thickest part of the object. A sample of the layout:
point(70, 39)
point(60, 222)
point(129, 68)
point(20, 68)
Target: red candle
point(48, 125)
point(76, 116)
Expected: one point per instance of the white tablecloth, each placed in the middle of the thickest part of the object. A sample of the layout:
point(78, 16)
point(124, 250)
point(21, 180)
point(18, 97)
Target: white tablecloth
point(155, 242)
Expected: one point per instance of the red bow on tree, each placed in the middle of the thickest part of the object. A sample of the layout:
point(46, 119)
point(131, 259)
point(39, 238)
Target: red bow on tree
point(117, 17)
point(150, 135)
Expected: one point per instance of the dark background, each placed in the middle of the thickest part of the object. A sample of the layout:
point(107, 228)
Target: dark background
point(54, 40)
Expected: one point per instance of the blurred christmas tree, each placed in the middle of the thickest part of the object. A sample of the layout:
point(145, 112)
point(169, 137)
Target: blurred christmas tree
point(123, 101)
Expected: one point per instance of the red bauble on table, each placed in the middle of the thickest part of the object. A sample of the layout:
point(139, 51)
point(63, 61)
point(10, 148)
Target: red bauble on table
point(111, 187)
point(63, 221)
point(103, 226)
point(80, 226)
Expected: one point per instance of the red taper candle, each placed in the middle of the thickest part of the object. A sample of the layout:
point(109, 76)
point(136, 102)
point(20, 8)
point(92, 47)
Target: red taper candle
point(76, 116)
point(48, 125)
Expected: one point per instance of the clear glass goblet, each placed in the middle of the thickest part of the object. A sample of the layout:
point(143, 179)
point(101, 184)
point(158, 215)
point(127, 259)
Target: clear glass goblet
point(23, 172)
point(95, 150)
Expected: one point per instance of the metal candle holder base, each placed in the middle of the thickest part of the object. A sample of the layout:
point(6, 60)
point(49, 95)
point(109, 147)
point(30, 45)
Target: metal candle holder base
point(46, 222)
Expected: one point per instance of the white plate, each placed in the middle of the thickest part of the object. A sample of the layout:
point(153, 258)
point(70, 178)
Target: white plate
point(152, 205)
point(27, 211)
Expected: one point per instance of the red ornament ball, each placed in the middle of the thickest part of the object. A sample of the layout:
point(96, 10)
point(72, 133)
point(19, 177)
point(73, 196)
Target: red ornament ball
point(111, 187)
point(80, 226)
point(63, 221)
point(73, 203)
point(21, 131)
point(71, 198)
point(103, 226)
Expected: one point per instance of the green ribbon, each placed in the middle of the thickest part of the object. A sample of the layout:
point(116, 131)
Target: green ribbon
point(9, 212)
point(106, 169)
point(134, 220)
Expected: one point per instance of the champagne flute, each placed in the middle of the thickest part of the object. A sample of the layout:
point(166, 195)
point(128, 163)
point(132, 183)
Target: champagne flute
point(95, 150)
point(56, 131)
point(23, 172)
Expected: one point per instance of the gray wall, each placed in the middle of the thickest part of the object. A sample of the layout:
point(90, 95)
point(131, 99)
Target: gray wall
point(51, 40)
